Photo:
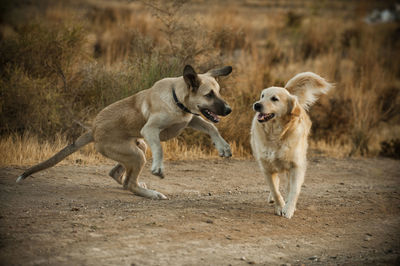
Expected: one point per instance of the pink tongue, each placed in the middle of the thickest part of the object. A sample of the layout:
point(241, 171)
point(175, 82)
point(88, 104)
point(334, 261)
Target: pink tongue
point(214, 116)
point(260, 116)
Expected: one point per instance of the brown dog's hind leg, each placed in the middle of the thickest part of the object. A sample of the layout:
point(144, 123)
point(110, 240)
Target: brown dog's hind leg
point(131, 157)
point(117, 173)
point(132, 174)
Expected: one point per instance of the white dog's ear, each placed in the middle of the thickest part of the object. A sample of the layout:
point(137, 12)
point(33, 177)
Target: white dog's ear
point(191, 78)
point(225, 71)
point(307, 87)
point(293, 111)
point(293, 106)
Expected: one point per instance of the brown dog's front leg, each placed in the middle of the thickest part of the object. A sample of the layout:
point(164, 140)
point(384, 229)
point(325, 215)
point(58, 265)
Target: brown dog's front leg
point(221, 145)
point(151, 133)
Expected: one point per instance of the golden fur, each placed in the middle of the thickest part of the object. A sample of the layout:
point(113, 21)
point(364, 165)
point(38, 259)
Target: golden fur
point(279, 135)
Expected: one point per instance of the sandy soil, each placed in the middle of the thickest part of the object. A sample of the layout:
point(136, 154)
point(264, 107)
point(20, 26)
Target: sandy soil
point(217, 214)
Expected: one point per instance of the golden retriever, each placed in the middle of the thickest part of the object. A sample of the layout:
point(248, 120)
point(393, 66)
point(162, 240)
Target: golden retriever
point(279, 134)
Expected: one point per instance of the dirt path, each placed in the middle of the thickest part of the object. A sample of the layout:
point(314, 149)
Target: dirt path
point(348, 212)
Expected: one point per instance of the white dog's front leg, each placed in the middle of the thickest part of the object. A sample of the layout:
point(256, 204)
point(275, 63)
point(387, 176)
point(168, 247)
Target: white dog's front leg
point(273, 183)
point(152, 136)
point(221, 145)
point(296, 179)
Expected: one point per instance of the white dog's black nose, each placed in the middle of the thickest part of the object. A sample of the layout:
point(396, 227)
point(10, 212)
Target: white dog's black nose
point(257, 107)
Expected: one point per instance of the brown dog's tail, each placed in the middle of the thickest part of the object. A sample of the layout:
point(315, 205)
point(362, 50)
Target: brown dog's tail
point(59, 156)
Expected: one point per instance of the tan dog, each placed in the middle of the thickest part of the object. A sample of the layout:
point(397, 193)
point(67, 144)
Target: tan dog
point(156, 114)
point(279, 135)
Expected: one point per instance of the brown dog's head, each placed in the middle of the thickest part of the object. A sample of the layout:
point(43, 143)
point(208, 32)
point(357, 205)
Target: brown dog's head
point(204, 94)
point(275, 103)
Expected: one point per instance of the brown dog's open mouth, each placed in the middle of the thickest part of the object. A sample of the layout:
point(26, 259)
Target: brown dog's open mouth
point(210, 115)
point(265, 117)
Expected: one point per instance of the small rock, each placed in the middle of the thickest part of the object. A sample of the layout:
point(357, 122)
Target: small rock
point(243, 258)
point(389, 251)
point(367, 238)
point(74, 209)
point(209, 194)
point(280, 246)
point(298, 245)
point(313, 258)
point(251, 262)
point(209, 221)
point(341, 183)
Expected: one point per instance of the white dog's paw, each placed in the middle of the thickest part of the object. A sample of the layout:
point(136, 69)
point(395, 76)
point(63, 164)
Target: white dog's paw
point(224, 150)
point(278, 210)
point(288, 211)
point(157, 170)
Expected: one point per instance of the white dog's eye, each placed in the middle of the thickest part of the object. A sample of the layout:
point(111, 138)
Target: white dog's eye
point(274, 99)
point(262, 96)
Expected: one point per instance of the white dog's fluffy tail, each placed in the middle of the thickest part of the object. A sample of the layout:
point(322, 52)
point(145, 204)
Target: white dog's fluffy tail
point(307, 86)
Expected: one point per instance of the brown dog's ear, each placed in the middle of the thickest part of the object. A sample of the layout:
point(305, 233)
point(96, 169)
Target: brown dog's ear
point(190, 77)
point(293, 107)
point(225, 71)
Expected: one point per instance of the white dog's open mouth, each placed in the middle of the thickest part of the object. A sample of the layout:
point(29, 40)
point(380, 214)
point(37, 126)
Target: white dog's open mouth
point(265, 117)
point(210, 115)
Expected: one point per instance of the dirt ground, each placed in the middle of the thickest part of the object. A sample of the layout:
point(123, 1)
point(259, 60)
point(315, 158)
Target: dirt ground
point(217, 214)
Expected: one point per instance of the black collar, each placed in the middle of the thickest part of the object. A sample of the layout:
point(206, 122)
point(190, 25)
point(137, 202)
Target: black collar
point(179, 104)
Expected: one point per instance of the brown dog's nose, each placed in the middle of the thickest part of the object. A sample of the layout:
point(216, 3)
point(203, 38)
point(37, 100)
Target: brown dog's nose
point(228, 110)
point(257, 107)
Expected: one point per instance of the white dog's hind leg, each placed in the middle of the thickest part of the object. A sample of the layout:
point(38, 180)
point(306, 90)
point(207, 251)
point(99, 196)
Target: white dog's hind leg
point(296, 179)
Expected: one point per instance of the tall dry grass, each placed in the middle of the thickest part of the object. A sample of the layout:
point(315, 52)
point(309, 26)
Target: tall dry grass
point(28, 149)
point(64, 61)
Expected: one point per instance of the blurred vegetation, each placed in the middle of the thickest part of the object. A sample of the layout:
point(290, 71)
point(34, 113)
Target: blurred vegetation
point(64, 61)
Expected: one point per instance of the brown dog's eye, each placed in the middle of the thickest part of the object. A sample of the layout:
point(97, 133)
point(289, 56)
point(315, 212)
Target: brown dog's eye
point(274, 99)
point(210, 94)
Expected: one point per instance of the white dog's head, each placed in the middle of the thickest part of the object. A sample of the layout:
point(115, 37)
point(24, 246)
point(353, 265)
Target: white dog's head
point(300, 92)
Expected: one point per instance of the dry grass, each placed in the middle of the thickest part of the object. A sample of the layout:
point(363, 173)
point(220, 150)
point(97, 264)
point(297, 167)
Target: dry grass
point(62, 62)
point(28, 150)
